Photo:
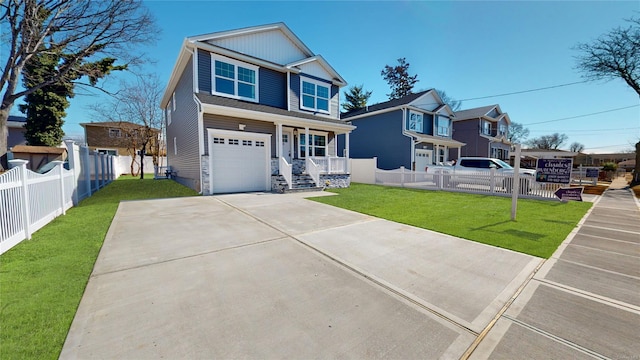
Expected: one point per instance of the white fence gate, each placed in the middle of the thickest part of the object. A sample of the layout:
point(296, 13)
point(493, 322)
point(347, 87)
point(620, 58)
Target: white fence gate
point(29, 201)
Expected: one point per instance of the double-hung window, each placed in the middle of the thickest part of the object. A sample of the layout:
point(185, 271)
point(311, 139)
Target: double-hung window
point(234, 79)
point(502, 128)
point(443, 126)
point(317, 144)
point(314, 95)
point(415, 121)
point(486, 127)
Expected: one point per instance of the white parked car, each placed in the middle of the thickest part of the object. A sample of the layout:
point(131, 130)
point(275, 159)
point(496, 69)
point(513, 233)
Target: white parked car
point(476, 170)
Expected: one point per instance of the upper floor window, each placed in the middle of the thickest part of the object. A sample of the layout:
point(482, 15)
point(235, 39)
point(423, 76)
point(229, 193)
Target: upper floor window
point(115, 133)
point(415, 121)
point(486, 127)
point(315, 96)
point(235, 79)
point(443, 126)
point(502, 128)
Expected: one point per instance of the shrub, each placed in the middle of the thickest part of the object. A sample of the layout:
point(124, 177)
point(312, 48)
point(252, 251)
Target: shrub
point(610, 166)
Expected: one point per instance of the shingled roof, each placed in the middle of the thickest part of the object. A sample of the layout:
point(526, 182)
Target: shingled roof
point(474, 113)
point(384, 105)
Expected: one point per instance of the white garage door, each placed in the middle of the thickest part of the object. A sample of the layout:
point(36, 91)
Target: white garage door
point(239, 161)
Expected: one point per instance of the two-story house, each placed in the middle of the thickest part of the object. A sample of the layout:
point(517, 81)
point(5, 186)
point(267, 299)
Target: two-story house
point(484, 130)
point(118, 137)
point(254, 109)
point(413, 131)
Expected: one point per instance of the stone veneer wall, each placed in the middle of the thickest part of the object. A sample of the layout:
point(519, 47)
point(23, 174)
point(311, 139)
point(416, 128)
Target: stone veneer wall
point(297, 169)
point(206, 179)
point(335, 180)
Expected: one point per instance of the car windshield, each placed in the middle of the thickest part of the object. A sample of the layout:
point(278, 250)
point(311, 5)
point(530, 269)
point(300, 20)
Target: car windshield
point(503, 164)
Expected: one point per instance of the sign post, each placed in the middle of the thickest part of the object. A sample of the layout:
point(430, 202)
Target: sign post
point(516, 183)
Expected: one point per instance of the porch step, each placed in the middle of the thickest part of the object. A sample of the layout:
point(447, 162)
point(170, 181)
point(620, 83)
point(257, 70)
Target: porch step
point(299, 183)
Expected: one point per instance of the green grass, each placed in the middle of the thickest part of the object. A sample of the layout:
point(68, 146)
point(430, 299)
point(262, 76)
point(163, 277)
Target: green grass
point(538, 230)
point(42, 280)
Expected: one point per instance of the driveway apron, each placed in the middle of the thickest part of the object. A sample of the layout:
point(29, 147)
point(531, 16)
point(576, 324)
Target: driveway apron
point(279, 276)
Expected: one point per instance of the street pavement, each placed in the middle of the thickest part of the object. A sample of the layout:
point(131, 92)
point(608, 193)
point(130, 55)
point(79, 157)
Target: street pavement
point(584, 302)
point(271, 276)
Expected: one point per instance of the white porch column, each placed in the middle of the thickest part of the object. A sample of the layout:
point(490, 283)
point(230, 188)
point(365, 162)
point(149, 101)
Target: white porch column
point(459, 152)
point(437, 159)
point(346, 152)
point(306, 143)
point(279, 140)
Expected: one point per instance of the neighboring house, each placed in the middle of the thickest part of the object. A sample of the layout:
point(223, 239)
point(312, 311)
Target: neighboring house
point(529, 157)
point(38, 156)
point(413, 131)
point(116, 138)
point(252, 110)
point(484, 130)
point(16, 130)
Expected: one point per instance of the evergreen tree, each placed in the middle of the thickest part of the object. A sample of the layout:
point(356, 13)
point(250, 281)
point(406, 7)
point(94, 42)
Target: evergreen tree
point(356, 98)
point(46, 107)
point(399, 80)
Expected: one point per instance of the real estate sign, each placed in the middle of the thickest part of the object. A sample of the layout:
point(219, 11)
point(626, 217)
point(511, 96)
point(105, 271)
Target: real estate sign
point(573, 193)
point(554, 171)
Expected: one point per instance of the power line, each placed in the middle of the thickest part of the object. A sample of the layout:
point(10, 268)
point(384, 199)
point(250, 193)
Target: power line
point(527, 91)
point(579, 116)
point(589, 130)
point(607, 146)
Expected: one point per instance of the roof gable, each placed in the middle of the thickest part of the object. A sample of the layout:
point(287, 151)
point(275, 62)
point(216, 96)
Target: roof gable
point(475, 112)
point(319, 67)
point(384, 105)
point(273, 42)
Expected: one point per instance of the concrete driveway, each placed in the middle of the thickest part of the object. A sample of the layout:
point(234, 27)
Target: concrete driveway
point(278, 276)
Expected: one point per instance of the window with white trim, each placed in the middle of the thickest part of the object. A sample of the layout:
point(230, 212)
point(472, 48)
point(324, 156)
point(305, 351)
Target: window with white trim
point(314, 95)
point(317, 144)
point(443, 126)
point(232, 78)
point(173, 101)
point(486, 127)
point(168, 116)
point(502, 128)
point(415, 121)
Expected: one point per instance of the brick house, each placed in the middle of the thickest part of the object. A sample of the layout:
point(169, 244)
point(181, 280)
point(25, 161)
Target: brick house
point(116, 138)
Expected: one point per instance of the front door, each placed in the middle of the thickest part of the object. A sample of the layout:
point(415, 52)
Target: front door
point(423, 159)
point(287, 145)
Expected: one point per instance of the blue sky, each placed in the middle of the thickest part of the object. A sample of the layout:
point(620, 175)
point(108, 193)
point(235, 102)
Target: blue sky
point(469, 49)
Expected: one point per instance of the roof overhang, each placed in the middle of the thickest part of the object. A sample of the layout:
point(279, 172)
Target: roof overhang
point(435, 139)
point(337, 79)
point(276, 118)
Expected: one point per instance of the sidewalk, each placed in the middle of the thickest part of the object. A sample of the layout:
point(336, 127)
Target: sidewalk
point(585, 301)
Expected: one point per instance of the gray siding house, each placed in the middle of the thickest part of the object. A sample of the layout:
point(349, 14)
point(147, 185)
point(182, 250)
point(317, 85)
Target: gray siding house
point(484, 130)
point(254, 109)
point(413, 131)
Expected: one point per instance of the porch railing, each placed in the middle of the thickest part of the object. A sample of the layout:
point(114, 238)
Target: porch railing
point(330, 164)
point(286, 171)
point(313, 170)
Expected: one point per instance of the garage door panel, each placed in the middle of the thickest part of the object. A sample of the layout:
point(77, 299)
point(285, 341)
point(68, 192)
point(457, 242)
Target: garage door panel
point(239, 162)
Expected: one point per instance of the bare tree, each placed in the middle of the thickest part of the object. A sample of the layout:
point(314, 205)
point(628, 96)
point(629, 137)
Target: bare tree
point(137, 103)
point(517, 133)
point(547, 142)
point(454, 104)
point(79, 29)
point(615, 54)
point(576, 147)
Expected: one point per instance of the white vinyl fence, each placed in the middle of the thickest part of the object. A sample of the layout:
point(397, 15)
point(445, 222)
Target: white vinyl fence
point(476, 182)
point(29, 201)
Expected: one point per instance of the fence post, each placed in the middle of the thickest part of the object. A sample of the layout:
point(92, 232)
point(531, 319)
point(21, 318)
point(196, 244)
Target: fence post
point(102, 169)
point(86, 167)
point(96, 173)
point(60, 166)
point(22, 164)
point(402, 176)
point(492, 180)
point(74, 162)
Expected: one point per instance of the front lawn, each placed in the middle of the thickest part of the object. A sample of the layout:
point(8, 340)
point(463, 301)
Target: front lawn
point(539, 228)
point(42, 280)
